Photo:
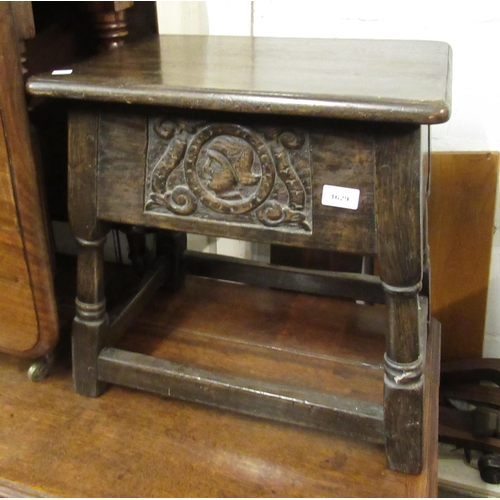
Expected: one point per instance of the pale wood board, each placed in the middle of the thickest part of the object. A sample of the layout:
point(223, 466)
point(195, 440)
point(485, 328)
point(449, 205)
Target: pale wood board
point(461, 213)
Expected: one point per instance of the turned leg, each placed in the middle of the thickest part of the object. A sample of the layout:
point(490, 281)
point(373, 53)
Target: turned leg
point(90, 325)
point(399, 239)
point(91, 321)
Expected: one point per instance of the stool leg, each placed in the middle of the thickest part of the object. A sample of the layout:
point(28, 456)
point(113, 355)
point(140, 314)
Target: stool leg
point(399, 217)
point(91, 322)
point(172, 245)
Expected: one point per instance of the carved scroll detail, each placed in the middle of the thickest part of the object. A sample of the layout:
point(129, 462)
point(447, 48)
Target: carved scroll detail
point(229, 172)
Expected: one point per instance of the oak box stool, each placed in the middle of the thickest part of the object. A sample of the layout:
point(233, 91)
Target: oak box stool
point(309, 143)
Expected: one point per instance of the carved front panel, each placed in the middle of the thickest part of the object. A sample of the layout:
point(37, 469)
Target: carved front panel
point(258, 176)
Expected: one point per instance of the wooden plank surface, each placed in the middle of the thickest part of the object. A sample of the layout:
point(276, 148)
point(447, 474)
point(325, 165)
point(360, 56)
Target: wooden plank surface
point(19, 330)
point(350, 79)
point(28, 321)
point(54, 442)
point(461, 212)
point(132, 444)
point(223, 320)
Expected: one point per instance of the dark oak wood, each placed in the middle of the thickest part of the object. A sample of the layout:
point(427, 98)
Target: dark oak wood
point(348, 79)
point(431, 404)
point(115, 445)
point(110, 20)
point(92, 447)
point(124, 154)
point(348, 285)
point(91, 320)
point(260, 399)
point(210, 366)
point(319, 260)
point(318, 327)
point(398, 182)
point(180, 144)
point(121, 317)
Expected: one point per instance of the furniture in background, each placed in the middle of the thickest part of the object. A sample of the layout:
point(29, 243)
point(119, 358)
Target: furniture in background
point(34, 158)
point(320, 144)
point(28, 317)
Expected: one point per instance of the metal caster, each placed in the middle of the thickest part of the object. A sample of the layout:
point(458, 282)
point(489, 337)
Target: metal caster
point(41, 368)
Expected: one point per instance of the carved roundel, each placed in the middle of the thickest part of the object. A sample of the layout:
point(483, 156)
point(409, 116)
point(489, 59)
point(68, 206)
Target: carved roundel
point(229, 168)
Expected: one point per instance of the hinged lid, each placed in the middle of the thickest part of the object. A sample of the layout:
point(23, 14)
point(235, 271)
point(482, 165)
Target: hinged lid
point(386, 80)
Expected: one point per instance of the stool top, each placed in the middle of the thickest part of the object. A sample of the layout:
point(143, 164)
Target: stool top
point(382, 80)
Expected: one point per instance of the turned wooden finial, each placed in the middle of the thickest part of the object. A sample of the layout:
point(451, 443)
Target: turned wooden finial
point(110, 23)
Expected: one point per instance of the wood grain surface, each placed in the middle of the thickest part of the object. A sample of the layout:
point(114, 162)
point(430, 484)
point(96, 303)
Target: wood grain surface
point(127, 443)
point(28, 321)
point(350, 79)
point(307, 341)
point(342, 154)
point(461, 212)
point(19, 330)
point(192, 73)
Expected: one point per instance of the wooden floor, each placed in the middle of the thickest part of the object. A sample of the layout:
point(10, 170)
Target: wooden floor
point(54, 442)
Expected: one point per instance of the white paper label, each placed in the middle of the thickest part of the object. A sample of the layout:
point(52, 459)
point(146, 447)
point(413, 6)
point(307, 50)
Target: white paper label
point(341, 197)
point(60, 72)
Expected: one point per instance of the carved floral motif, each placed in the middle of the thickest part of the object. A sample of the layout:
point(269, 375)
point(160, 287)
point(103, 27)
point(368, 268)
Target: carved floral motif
point(229, 172)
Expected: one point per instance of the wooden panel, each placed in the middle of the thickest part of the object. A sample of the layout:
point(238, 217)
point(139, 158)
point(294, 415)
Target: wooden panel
point(341, 154)
point(247, 174)
point(28, 322)
point(19, 329)
point(461, 211)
